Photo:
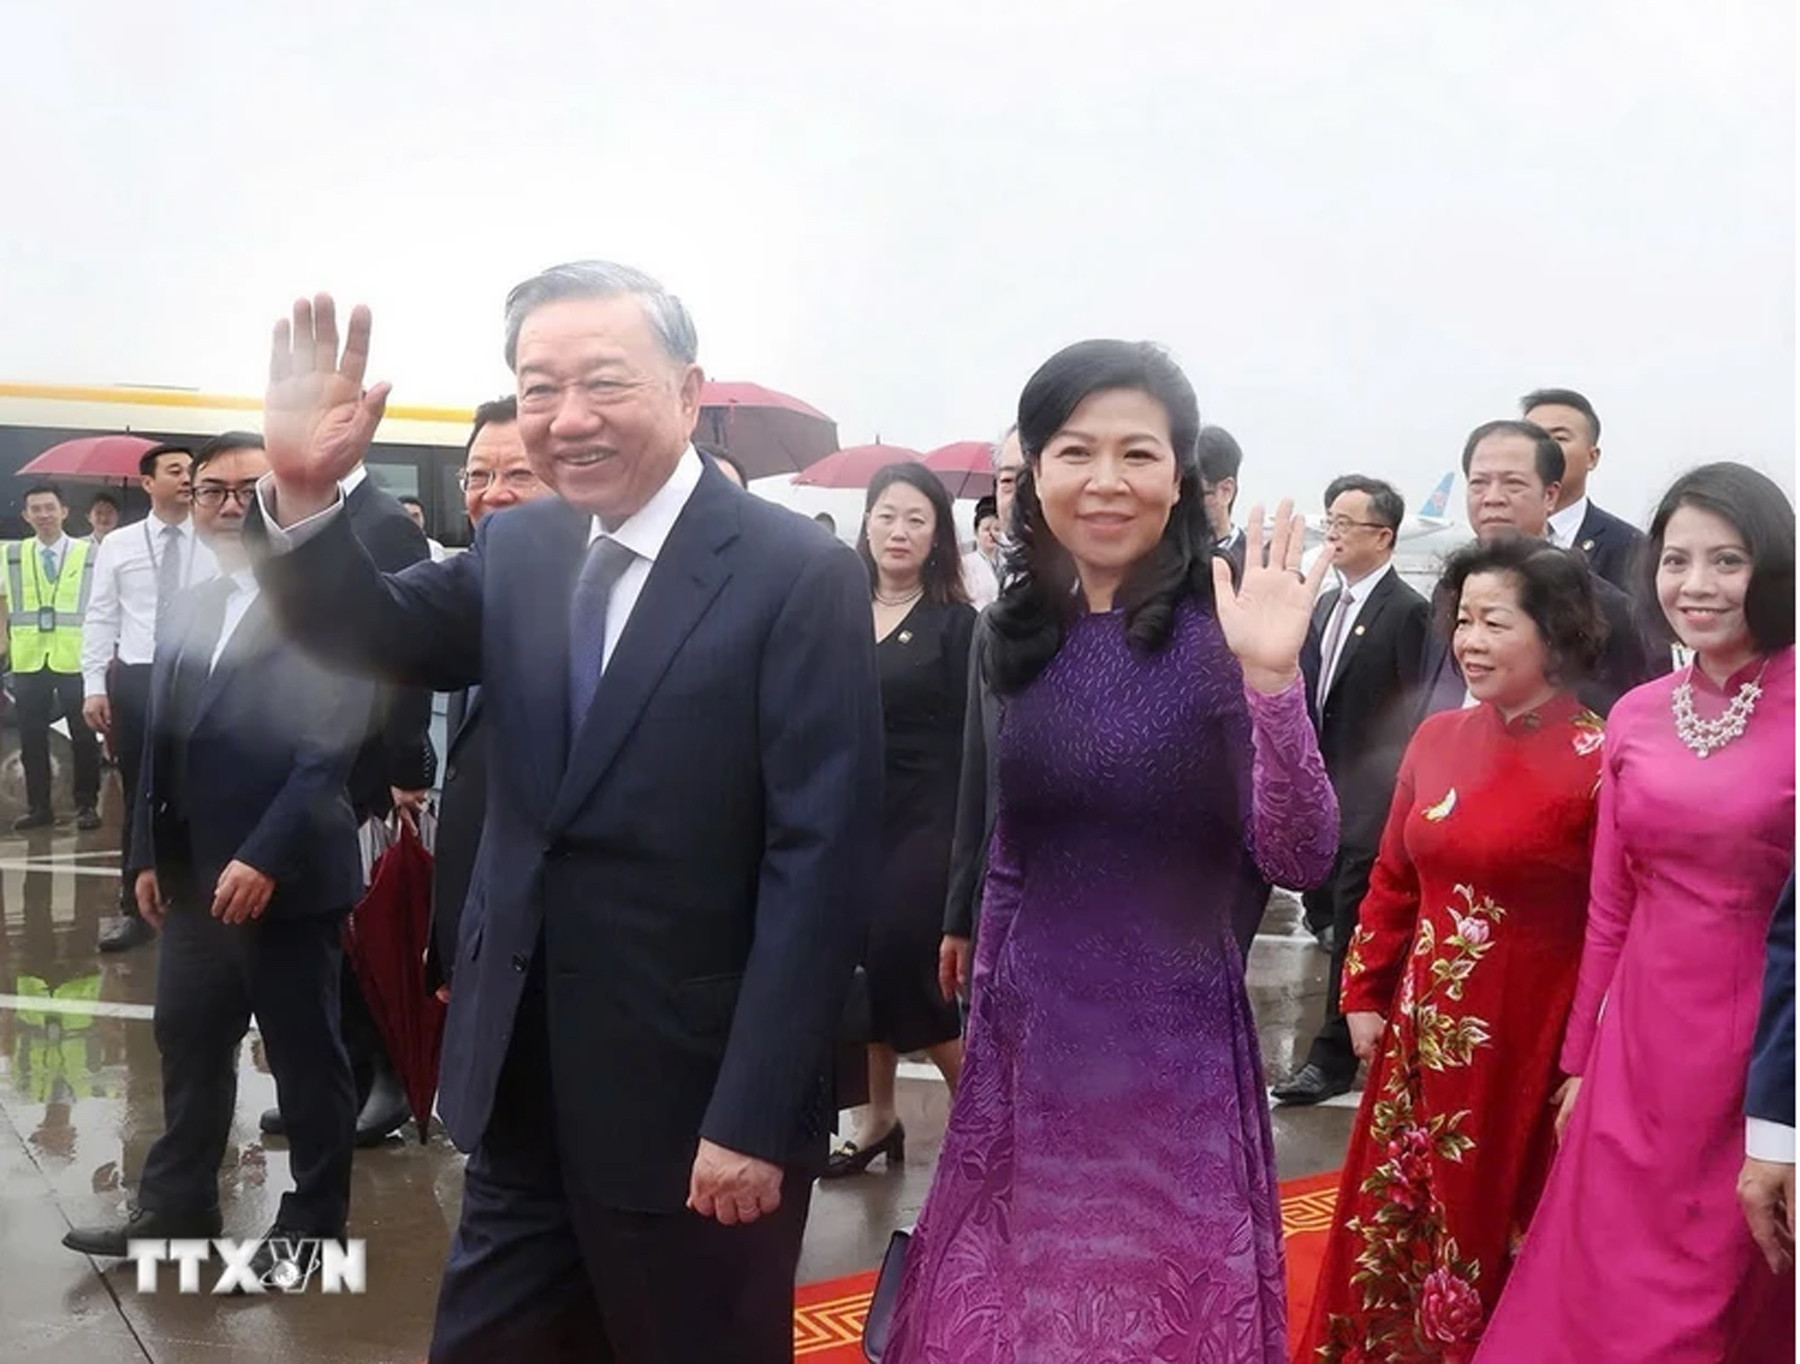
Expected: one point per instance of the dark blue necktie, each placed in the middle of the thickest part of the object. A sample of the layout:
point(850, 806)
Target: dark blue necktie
point(607, 560)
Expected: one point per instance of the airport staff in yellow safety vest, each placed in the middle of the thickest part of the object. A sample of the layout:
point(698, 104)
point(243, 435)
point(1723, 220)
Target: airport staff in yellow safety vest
point(47, 580)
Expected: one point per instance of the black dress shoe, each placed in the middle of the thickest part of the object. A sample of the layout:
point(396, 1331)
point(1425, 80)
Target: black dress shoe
point(854, 1159)
point(87, 818)
point(271, 1123)
point(128, 933)
point(385, 1111)
point(111, 1241)
point(33, 819)
point(1310, 1085)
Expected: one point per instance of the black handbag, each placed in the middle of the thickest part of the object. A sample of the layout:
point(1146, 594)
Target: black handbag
point(880, 1320)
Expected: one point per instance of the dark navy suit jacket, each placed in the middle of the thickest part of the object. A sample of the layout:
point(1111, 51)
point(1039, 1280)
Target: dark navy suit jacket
point(1771, 1092)
point(461, 811)
point(260, 776)
point(1372, 707)
point(694, 869)
point(1611, 546)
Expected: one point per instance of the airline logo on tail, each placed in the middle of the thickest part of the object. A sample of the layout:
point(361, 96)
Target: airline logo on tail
point(1439, 501)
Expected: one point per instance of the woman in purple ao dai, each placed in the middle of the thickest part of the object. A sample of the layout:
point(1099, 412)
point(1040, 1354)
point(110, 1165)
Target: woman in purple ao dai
point(1106, 1192)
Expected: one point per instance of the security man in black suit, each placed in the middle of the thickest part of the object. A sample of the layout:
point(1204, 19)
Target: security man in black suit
point(394, 769)
point(1610, 544)
point(1361, 664)
point(1513, 470)
point(977, 796)
point(244, 854)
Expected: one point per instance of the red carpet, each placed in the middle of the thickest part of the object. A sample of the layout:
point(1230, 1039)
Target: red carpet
point(828, 1317)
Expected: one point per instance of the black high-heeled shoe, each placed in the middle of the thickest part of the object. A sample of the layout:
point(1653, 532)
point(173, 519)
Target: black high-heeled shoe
point(854, 1159)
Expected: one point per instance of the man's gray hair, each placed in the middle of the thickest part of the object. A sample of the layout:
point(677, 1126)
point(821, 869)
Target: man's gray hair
point(603, 279)
point(1000, 445)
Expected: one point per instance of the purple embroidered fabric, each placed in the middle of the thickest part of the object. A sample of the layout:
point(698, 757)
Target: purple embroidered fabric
point(1106, 1192)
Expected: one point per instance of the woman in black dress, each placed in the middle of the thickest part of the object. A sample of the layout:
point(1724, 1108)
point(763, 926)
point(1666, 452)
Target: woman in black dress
point(923, 624)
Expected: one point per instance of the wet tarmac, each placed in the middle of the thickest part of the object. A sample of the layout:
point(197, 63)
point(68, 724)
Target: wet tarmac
point(80, 1104)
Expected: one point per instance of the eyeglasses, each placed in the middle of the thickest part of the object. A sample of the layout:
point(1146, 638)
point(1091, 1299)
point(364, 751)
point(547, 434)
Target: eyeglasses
point(480, 480)
point(1341, 523)
point(213, 495)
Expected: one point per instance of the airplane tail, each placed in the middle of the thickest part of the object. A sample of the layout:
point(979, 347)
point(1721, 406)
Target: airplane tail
point(1439, 501)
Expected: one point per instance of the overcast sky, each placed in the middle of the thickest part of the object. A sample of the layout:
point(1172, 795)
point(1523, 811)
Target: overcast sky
point(1362, 229)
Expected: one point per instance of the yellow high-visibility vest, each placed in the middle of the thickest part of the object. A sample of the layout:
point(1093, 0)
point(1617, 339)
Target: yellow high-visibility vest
point(44, 616)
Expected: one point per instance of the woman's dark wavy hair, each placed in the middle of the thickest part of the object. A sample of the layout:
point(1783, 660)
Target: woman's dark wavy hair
point(1761, 513)
point(1556, 589)
point(1034, 612)
point(942, 575)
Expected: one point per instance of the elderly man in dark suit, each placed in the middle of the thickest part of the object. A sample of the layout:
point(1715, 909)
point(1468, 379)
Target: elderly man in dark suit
point(1610, 544)
point(1766, 1186)
point(1361, 663)
point(639, 1037)
point(496, 474)
point(244, 854)
point(1514, 470)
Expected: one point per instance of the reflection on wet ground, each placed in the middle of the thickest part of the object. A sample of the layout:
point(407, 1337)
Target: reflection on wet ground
point(80, 1104)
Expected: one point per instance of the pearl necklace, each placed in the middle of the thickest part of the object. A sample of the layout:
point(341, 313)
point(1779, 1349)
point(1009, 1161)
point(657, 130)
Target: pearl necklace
point(883, 599)
point(1706, 736)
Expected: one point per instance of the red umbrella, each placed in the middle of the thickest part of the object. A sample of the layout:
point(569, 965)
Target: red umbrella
point(765, 431)
point(966, 466)
point(386, 937)
point(96, 457)
point(853, 468)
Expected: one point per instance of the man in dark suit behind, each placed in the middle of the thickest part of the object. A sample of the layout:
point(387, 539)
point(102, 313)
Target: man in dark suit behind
point(1513, 470)
point(977, 795)
point(496, 474)
point(1766, 1186)
point(638, 1039)
point(244, 853)
point(1361, 663)
point(394, 770)
point(1610, 544)
point(1220, 459)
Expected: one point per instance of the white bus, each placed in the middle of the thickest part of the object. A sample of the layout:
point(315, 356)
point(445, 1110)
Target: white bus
point(417, 451)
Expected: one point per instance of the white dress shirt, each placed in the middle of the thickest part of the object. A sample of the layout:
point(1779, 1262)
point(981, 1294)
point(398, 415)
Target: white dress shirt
point(121, 614)
point(59, 548)
point(1360, 591)
point(1565, 525)
point(1770, 1141)
point(244, 591)
point(644, 534)
point(980, 579)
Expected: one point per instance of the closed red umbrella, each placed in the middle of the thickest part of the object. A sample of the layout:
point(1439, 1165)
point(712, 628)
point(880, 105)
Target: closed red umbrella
point(110, 458)
point(765, 431)
point(855, 467)
point(966, 467)
point(386, 938)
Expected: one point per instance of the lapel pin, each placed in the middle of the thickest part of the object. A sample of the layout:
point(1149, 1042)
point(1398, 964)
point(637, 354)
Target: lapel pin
point(1358, 630)
point(906, 636)
point(1587, 546)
